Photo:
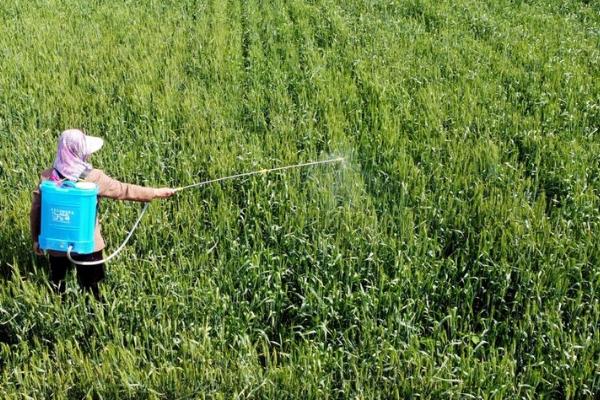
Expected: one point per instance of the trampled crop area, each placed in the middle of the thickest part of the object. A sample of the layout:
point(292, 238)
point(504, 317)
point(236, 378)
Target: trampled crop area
point(455, 254)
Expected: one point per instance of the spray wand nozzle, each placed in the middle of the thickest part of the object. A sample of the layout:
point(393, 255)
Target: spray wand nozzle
point(261, 171)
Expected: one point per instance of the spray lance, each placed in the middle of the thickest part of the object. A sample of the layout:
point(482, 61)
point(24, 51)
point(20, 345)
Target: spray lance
point(69, 212)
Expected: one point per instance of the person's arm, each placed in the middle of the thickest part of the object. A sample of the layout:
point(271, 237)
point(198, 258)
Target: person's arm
point(34, 220)
point(114, 189)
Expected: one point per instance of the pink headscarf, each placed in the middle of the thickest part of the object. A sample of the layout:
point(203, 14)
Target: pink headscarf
point(74, 148)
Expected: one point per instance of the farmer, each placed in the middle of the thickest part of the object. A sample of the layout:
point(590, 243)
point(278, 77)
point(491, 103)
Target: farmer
point(72, 163)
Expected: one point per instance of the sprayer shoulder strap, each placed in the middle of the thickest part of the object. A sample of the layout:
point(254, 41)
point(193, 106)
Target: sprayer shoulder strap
point(82, 177)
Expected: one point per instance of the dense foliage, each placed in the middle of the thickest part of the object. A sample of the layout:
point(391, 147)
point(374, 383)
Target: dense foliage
point(455, 254)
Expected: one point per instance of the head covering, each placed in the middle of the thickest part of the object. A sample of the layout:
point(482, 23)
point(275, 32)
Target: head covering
point(74, 148)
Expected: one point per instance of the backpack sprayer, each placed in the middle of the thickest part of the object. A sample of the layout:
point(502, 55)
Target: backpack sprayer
point(68, 215)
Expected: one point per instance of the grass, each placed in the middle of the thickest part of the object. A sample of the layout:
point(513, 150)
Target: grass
point(455, 255)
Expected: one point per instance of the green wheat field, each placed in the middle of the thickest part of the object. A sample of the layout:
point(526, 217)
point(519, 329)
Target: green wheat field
point(454, 254)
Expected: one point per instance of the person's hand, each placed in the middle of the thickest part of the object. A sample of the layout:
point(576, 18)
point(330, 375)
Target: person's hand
point(163, 193)
point(37, 250)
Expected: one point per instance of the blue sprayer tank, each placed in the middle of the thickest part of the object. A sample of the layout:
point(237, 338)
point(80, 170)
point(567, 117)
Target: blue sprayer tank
point(68, 216)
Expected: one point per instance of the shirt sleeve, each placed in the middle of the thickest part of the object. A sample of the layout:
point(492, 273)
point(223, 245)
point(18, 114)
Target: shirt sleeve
point(114, 189)
point(34, 215)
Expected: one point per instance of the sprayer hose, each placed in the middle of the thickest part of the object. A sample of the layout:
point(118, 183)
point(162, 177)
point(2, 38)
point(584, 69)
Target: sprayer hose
point(135, 225)
point(114, 254)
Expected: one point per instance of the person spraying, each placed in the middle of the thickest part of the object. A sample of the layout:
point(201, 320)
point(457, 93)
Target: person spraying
point(72, 165)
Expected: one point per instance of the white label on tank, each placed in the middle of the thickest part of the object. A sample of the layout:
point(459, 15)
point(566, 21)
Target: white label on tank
point(61, 216)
